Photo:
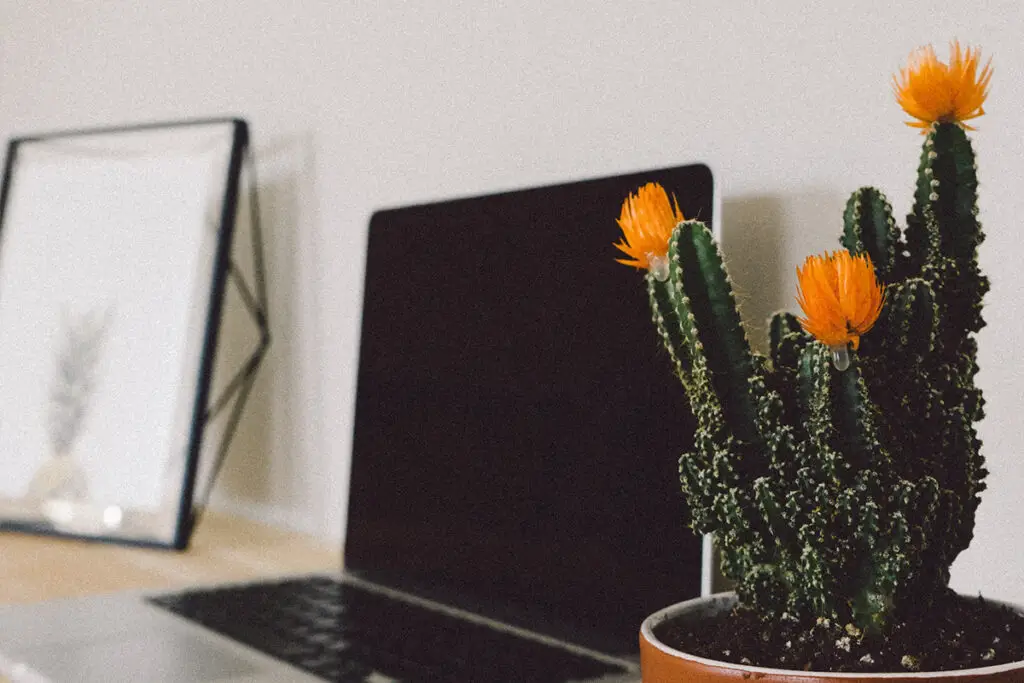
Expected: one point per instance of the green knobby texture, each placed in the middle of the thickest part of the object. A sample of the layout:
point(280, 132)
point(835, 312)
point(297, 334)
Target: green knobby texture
point(840, 494)
point(868, 227)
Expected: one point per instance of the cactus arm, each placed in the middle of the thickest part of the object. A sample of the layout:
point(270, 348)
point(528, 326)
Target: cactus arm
point(856, 435)
point(781, 325)
point(786, 341)
point(709, 320)
point(696, 317)
point(868, 227)
point(840, 424)
point(947, 187)
point(667, 326)
point(913, 319)
point(947, 238)
point(944, 233)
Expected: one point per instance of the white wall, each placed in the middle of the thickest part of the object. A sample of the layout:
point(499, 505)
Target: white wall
point(359, 105)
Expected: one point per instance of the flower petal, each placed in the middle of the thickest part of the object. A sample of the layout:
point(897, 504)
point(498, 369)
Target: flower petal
point(647, 220)
point(931, 91)
point(840, 297)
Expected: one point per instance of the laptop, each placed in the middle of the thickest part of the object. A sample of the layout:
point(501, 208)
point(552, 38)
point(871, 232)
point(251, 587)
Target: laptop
point(514, 510)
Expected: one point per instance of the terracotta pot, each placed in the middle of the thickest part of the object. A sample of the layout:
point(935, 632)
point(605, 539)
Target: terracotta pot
point(662, 664)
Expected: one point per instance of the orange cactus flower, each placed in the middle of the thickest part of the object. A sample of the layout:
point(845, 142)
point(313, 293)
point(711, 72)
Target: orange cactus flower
point(840, 297)
point(647, 221)
point(931, 91)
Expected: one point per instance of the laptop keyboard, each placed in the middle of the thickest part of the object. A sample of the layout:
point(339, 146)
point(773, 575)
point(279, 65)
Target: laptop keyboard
point(341, 632)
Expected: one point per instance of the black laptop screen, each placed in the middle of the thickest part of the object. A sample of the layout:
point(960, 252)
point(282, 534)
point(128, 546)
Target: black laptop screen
point(517, 423)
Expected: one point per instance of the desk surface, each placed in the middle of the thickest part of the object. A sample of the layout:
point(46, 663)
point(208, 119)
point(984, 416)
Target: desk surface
point(223, 548)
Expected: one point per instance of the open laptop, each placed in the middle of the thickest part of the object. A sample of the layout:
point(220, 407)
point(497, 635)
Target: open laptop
point(514, 509)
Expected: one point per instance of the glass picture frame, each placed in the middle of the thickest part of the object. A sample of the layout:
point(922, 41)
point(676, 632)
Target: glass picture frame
point(133, 319)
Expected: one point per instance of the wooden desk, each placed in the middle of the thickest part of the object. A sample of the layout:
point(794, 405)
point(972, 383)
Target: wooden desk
point(223, 548)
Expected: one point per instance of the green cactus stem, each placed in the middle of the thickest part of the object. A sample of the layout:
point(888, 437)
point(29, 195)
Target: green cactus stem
point(706, 310)
point(868, 227)
point(913, 319)
point(786, 340)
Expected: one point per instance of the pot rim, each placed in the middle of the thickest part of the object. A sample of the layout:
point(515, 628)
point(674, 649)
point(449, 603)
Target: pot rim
point(647, 632)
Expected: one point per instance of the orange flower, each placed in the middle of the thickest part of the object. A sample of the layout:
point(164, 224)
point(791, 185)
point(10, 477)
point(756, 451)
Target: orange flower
point(647, 221)
point(840, 297)
point(931, 91)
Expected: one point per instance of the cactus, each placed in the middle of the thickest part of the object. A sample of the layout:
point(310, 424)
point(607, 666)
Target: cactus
point(841, 479)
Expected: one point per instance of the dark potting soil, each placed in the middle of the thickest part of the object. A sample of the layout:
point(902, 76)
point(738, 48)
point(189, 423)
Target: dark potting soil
point(956, 633)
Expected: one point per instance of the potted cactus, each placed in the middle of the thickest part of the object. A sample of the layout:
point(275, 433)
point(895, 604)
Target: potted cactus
point(839, 474)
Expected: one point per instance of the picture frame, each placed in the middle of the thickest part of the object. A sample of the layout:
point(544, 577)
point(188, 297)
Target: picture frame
point(133, 319)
